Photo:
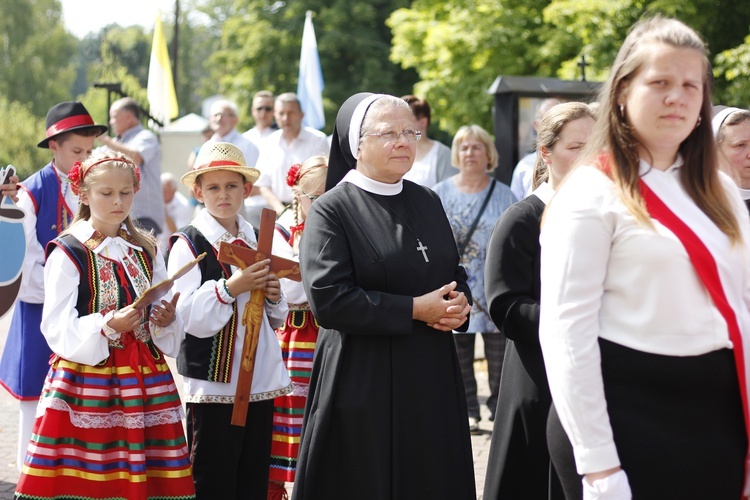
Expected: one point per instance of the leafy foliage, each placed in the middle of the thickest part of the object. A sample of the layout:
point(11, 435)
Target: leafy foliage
point(260, 47)
point(18, 145)
point(459, 47)
point(35, 54)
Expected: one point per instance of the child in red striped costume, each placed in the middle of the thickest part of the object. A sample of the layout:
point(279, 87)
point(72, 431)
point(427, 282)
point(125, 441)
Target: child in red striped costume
point(109, 418)
point(299, 333)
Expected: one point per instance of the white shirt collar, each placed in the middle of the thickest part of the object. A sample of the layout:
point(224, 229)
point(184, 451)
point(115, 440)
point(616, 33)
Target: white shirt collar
point(371, 185)
point(215, 232)
point(544, 192)
point(84, 232)
point(744, 193)
point(644, 168)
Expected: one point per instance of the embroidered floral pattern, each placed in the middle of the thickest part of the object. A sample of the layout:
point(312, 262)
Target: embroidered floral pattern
point(263, 396)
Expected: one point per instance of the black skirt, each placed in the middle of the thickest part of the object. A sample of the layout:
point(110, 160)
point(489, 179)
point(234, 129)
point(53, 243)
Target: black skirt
point(677, 423)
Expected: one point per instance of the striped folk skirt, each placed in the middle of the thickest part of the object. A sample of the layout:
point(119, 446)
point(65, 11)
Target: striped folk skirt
point(297, 338)
point(109, 431)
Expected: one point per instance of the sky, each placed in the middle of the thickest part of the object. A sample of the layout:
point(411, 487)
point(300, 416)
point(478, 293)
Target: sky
point(84, 16)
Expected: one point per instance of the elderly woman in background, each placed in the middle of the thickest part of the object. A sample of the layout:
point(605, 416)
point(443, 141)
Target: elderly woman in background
point(645, 274)
point(519, 465)
point(473, 202)
point(732, 131)
point(386, 413)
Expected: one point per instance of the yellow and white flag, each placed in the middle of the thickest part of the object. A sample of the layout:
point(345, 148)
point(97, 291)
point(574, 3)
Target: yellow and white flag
point(160, 89)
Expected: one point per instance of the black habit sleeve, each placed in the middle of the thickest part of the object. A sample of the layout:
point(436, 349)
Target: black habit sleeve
point(512, 272)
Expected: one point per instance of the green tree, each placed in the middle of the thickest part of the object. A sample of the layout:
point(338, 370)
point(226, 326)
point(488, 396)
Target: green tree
point(260, 47)
point(35, 54)
point(18, 142)
point(458, 47)
point(733, 67)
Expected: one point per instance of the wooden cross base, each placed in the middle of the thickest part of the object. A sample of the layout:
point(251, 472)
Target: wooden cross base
point(252, 316)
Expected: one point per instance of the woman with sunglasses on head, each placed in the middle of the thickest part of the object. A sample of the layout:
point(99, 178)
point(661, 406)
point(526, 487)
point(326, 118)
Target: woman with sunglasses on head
point(386, 413)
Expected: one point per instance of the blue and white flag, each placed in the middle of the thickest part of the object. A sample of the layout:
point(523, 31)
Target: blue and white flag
point(310, 82)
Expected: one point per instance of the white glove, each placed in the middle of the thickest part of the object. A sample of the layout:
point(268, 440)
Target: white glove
point(613, 487)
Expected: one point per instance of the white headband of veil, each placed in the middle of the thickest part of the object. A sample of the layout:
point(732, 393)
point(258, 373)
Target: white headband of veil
point(355, 124)
point(720, 117)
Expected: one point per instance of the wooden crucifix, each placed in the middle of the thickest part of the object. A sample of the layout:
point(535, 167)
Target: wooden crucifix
point(253, 315)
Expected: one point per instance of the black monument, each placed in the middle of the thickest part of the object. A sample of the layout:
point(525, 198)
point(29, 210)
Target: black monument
point(516, 98)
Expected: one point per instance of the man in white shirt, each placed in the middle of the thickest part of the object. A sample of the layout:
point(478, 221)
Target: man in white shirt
point(262, 111)
point(289, 145)
point(143, 147)
point(177, 210)
point(224, 122)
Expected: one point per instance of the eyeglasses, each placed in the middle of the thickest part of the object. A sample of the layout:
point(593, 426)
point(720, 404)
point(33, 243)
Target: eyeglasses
point(264, 108)
point(312, 198)
point(393, 136)
point(225, 115)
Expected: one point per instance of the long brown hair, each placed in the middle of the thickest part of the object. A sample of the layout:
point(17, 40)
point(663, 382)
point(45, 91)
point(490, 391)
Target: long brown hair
point(613, 137)
point(91, 170)
point(549, 131)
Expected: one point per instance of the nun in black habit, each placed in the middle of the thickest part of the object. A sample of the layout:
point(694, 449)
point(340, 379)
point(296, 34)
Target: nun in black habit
point(386, 413)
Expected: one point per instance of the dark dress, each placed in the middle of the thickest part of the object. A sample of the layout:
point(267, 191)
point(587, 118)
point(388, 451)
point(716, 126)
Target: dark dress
point(519, 463)
point(386, 413)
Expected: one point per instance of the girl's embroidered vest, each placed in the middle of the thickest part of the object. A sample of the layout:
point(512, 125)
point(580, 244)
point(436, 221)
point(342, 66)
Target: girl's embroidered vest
point(207, 358)
point(104, 286)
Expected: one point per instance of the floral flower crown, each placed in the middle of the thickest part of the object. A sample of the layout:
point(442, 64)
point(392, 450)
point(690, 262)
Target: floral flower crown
point(293, 176)
point(77, 173)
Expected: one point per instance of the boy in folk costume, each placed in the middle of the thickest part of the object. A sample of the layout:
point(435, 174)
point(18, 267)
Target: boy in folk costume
point(228, 461)
point(50, 206)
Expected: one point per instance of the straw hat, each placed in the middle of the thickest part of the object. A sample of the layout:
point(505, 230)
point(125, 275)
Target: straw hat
point(214, 156)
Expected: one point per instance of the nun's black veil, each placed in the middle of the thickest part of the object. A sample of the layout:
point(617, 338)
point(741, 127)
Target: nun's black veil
point(342, 158)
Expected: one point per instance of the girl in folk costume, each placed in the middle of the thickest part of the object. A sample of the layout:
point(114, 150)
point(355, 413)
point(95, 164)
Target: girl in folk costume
point(109, 418)
point(300, 331)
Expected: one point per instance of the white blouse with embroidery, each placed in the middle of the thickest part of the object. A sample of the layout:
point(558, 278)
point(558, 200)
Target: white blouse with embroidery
point(79, 338)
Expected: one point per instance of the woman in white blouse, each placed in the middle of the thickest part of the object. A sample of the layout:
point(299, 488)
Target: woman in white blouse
point(645, 272)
